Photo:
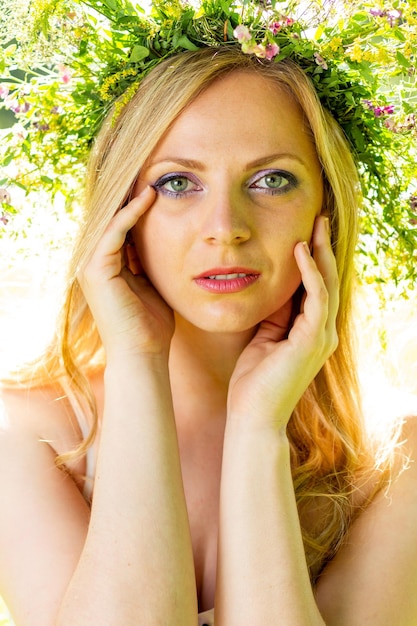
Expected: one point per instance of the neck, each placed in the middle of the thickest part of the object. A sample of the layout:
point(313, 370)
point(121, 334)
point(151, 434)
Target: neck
point(201, 364)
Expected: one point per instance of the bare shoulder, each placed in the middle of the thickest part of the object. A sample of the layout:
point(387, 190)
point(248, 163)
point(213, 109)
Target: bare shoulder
point(44, 515)
point(373, 578)
point(43, 413)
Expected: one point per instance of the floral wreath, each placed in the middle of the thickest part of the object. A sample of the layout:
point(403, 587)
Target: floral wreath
point(362, 65)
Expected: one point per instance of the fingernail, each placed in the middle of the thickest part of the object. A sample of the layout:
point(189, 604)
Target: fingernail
point(306, 248)
point(327, 224)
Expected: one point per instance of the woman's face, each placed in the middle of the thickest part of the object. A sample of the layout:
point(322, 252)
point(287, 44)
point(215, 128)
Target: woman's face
point(238, 185)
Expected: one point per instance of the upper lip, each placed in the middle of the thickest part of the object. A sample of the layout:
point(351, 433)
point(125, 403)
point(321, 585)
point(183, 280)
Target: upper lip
point(216, 271)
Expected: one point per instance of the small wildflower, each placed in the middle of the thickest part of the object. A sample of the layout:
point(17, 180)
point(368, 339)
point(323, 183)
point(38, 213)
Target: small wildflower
point(391, 125)
point(4, 219)
point(242, 33)
point(335, 43)
point(380, 110)
point(275, 27)
point(41, 127)
point(65, 74)
point(289, 21)
point(355, 52)
point(271, 50)
point(4, 196)
point(377, 12)
point(393, 17)
point(253, 48)
point(320, 61)
point(4, 91)
point(16, 107)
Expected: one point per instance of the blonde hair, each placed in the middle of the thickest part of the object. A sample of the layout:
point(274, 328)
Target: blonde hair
point(326, 434)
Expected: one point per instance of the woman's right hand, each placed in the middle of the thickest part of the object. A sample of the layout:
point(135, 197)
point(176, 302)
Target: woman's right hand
point(131, 316)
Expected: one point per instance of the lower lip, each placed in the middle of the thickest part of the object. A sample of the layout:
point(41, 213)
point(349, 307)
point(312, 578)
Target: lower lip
point(232, 285)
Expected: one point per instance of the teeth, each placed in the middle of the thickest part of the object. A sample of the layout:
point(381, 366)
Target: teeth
point(227, 276)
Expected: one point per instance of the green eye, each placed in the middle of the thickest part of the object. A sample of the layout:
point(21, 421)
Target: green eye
point(178, 184)
point(274, 181)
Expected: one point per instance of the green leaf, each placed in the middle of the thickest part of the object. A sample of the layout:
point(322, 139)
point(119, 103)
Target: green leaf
point(402, 60)
point(138, 54)
point(184, 42)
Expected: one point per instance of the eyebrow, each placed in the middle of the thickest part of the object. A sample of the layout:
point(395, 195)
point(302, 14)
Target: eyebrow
point(193, 164)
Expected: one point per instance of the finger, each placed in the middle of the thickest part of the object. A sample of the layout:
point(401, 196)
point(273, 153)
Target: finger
point(326, 265)
point(314, 309)
point(115, 234)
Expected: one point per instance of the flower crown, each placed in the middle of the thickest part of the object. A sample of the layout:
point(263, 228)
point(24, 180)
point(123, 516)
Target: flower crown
point(362, 66)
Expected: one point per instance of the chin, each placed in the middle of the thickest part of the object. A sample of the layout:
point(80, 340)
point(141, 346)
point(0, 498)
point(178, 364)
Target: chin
point(225, 322)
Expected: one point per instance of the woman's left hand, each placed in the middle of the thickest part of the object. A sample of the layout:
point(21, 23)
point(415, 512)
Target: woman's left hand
point(279, 363)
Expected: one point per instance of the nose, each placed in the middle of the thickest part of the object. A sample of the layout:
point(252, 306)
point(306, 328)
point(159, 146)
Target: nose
point(227, 220)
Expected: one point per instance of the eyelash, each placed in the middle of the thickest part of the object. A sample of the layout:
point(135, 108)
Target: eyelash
point(292, 183)
point(167, 178)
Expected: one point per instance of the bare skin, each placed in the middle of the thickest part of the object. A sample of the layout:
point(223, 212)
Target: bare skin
point(193, 498)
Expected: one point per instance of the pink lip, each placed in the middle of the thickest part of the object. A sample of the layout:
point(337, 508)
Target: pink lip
point(226, 285)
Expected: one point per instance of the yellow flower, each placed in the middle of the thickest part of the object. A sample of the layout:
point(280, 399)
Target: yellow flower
point(335, 43)
point(355, 52)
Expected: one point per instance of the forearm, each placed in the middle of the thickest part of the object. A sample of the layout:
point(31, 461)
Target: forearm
point(262, 571)
point(137, 565)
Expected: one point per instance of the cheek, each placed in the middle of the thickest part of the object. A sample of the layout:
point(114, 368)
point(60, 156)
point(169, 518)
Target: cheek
point(146, 240)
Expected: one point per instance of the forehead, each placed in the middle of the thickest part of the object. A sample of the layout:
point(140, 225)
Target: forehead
point(244, 112)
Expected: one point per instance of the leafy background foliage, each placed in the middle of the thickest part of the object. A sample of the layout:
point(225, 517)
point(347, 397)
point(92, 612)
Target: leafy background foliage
point(65, 62)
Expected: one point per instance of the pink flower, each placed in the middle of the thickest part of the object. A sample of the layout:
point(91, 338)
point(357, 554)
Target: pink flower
point(320, 61)
point(242, 33)
point(4, 196)
point(65, 73)
point(4, 91)
point(275, 27)
point(271, 50)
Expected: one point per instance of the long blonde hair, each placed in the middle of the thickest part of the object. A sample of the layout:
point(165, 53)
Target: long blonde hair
point(326, 433)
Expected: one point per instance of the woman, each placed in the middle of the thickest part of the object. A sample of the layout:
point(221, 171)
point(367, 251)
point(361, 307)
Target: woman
point(226, 456)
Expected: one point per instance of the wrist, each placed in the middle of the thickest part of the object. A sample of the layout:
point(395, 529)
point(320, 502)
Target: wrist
point(251, 425)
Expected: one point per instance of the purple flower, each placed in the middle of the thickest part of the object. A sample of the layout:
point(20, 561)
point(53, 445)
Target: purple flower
point(320, 61)
point(393, 16)
point(377, 12)
point(242, 33)
point(380, 111)
point(41, 127)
